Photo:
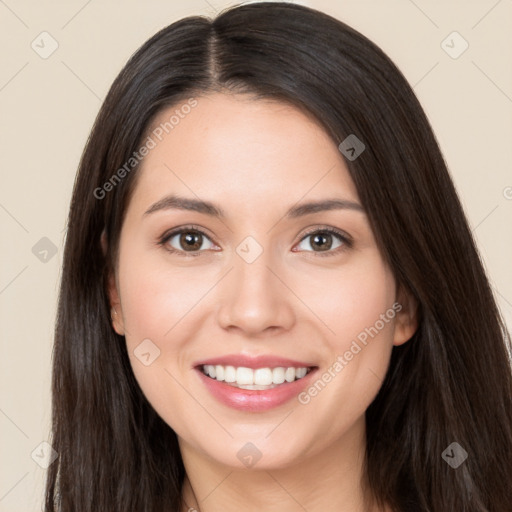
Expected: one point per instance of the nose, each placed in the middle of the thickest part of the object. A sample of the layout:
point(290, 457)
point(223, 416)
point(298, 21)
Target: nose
point(255, 298)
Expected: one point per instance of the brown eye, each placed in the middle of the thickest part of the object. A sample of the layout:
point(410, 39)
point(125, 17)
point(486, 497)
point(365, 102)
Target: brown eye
point(187, 241)
point(326, 241)
point(191, 241)
point(321, 241)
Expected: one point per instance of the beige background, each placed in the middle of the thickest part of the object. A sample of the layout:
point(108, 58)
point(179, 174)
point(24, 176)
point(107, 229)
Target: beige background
point(48, 107)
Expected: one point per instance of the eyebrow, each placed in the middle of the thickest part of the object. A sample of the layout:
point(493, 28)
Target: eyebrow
point(173, 201)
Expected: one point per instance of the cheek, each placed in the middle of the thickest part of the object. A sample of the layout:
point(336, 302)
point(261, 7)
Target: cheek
point(350, 299)
point(155, 303)
point(356, 308)
point(157, 296)
point(159, 301)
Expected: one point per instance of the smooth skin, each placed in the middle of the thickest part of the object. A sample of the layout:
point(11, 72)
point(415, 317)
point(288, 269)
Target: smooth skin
point(255, 159)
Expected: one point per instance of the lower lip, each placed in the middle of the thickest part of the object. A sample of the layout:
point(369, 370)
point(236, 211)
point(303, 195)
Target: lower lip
point(255, 400)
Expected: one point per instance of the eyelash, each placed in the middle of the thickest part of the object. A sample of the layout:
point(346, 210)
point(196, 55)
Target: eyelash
point(345, 239)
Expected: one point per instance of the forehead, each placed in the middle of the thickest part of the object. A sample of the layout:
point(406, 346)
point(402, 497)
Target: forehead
point(241, 151)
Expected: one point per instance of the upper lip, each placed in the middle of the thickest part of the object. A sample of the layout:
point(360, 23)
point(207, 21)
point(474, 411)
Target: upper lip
point(261, 361)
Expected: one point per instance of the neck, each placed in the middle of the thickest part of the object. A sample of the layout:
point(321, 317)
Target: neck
point(332, 479)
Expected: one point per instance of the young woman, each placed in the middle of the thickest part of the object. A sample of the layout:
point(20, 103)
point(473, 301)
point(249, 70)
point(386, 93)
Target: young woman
point(271, 299)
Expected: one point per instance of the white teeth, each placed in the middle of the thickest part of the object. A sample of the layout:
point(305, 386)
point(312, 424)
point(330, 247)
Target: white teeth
point(301, 372)
point(263, 376)
point(254, 387)
point(245, 376)
point(278, 375)
point(289, 374)
point(260, 378)
point(229, 373)
point(219, 372)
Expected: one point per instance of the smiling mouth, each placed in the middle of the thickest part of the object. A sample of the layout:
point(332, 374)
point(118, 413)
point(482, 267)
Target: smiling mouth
point(255, 379)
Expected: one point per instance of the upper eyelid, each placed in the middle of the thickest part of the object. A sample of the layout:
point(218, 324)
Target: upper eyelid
point(335, 231)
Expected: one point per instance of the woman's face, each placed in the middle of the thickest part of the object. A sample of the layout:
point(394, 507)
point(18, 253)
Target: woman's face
point(255, 280)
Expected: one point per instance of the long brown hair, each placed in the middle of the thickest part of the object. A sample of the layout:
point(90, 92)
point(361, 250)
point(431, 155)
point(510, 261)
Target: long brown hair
point(451, 382)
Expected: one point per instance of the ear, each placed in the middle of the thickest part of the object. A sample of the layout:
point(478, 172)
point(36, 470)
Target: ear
point(116, 311)
point(406, 319)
